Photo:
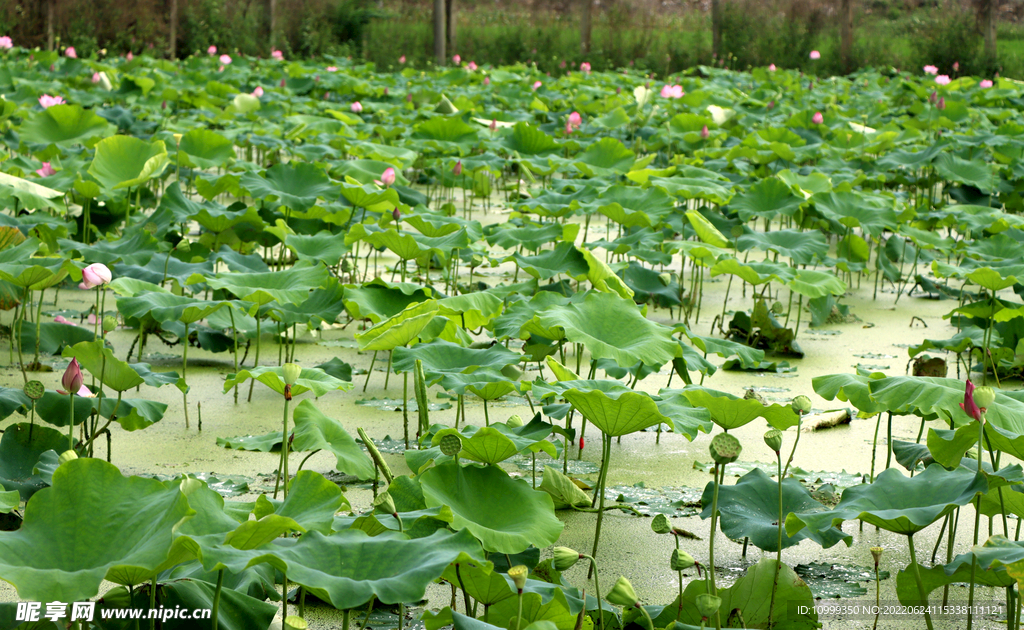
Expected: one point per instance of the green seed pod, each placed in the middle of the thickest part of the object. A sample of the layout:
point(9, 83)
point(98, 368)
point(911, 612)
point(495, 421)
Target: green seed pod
point(984, 397)
point(565, 558)
point(801, 405)
point(518, 574)
point(622, 594)
point(291, 373)
point(34, 390)
point(514, 421)
point(385, 503)
point(451, 445)
point(109, 323)
point(876, 553)
point(778, 308)
point(681, 560)
point(725, 449)
point(773, 438)
point(708, 604)
point(295, 622)
point(660, 524)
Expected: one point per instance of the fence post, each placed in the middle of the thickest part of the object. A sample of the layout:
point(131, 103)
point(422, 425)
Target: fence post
point(846, 34)
point(716, 28)
point(440, 18)
point(173, 49)
point(585, 26)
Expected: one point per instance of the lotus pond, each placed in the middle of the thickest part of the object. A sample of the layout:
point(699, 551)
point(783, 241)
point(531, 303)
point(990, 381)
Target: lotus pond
point(310, 345)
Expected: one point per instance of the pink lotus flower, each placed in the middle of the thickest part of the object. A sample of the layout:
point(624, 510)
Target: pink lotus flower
point(968, 405)
point(494, 125)
point(327, 96)
point(536, 86)
point(332, 68)
point(575, 120)
point(815, 54)
point(277, 54)
point(672, 91)
point(986, 83)
point(91, 319)
point(129, 56)
point(46, 171)
point(457, 60)
point(704, 133)
point(817, 118)
point(771, 68)
point(401, 59)
point(96, 274)
point(6, 43)
point(357, 107)
point(942, 79)
point(771, 104)
point(585, 67)
point(258, 92)
point(487, 80)
point(225, 59)
point(942, 103)
point(212, 50)
point(396, 214)
point(60, 319)
point(282, 82)
point(49, 101)
point(568, 128)
point(95, 77)
point(457, 169)
point(931, 70)
point(933, 97)
point(471, 66)
point(956, 66)
point(70, 53)
point(387, 178)
point(561, 64)
point(72, 377)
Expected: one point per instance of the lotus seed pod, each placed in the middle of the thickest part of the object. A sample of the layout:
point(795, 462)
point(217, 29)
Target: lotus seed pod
point(291, 373)
point(514, 421)
point(876, 553)
point(295, 622)
point(66, 457)
point(109, 323)
point(984, 397)
point(773, 438)
point(451, 445)
point(707, 604)
point(725, 449)
point(660, 524)
point(778, 308)
point(518, 574)
point(565, 558)
point(681, 560)
point(622, 594)
point(385, 503)
point(801, 405)
point(34, 390)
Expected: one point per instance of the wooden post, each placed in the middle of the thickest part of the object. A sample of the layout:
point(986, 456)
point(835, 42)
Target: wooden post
point(453, 44)
point(173, 48)
point(585, 26)
point(716, 28)
point(846, 34)
point(988, 27)
point(51, 7)
point(440, 19)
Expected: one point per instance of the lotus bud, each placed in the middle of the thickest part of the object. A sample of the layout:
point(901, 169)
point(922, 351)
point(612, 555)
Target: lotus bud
point(295, 622)
point(66, 457)
point(665, 278)
point(660, 524)
point(451, 445)
point(707, 604)
point(34, 390)
point(518, 574)
point(876, 553)
point(457, 169)
point(681, 560)
point(801, 405)
point(291, 373)
point(514, 421)
point(773, 439)
point(622, 594)
point(109, 323)
point(725, 448)
point(565, 558)
point(984, 397)
point(704, 133)
point(72, 379)
point(385, 503)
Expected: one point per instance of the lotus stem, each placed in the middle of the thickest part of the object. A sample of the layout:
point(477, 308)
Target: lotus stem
point(977, 523)
point(375, 455)
point(387, 373)
point(21, 327)
point(99, 317)
point(344, 619)
point(679, 608)
point(184, 370)
point(216, 598)
point(778, 556)
point(462, 585)
point(874, 447)
point(597, 588)
point(487, 417)
point(39, 327)
point(405, 404)
point(606, 446)
point(284, 590)
point(920, 584)
point(234, 337)
point(71, 421)
point(366, 619)
point(785, 471)
point(888, 443)
point(711, 544)
point(256, 360)
point(645, 614)
point(878, 598)
point(152, 603)
point(284, 448)
point(370, 371)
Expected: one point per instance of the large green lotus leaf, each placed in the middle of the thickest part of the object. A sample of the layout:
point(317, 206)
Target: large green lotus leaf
point(95, 357)
point(320, 246)
point(706, 231)
point(400, 329)
point(873, 213)
point(19, 456)
point(237, 610)
point(480, 580)
point(612, 327)
point(725, 348)
point(480, 500)
point(43, 273)
point(852, 388)
point(205, 149)
point(322, 307)
point(812, 283)
point(563, 258)
point(731, 412)
point(447, 129)
point(296, 185)
point(686, 419)
point(379, 299)
point(527, 140)
point(750, 509)
point(13, 399)
point(631, 206)
point(471, 310)
point(897, 503)
point(64, 125)
point(315, 431)
point(312, 502)
point(522, 318)
point(767, 199)
point(956, 572)
point(371, 197)
point(498, 442)
point(607, 156)
point(753, 273)
point(291, 286)
point(54, 337)
point(563, 491)
point(613, 408)
point(54, 556)
point(976, 173)
point(486, 383)
point(603, 277)
point(752, 594)
point(550, 610)
point(442, 357)
point(803, 248)
point(310, 379)
point(126, 161)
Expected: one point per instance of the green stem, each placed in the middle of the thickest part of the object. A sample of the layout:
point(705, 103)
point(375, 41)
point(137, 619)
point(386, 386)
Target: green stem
point(370, 371)
point(216, 598)
point(597, 587)
point(711, 544)
point(256, 360)
point(519, 615)
point(778, 556)
point(71, 421)
point(920, 585)
point(977, 524)
point(234, 337)
point(606, 452)
point(152, 603)
point(184, 371)
point(284, 448)
point(39, 326)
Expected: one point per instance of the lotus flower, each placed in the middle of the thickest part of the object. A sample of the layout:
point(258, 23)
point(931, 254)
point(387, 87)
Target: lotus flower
point(60, 319)
point(258, 92)
point(396, 214)
point(49, 101)
point(704, 133)
point(817, 119)
point(457, 60)
point(357, 107)
point(225, 59)
point(986, 83)
point(332, 68)
point(931, 70)
point(942, 103)
point(575, 120)
point(212, 50)
point(968, 405)
point(277, 54)
point(536, 85)
point(471, 66)
point(815, 54)
point(672, 91)
point(129, 56)
point(771, 104)
point(72, 379)
point(46, 170)
point(956, 66)
point(70, 53)
point(942, 79)
point(771, 68)
point(387, 178)
point(401, 59)
point(96, 274)
point(494, 125)
point(95, 77)
point(585, 67)
point(457, 169)
point(282, 82)
point(6, 43)
point(568, 128)
point(487, 80)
